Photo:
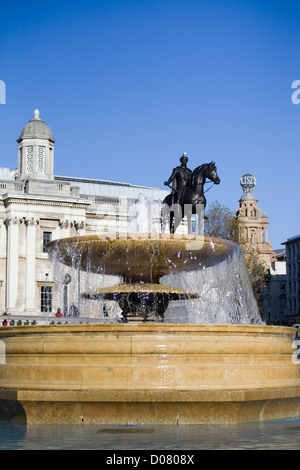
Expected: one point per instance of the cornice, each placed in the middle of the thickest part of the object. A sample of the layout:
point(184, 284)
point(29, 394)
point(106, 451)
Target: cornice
point(10, 199)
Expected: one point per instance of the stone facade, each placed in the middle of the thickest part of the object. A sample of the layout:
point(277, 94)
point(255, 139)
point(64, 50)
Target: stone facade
point(36, 207)
point(273, 298)
point(253, 224)
point(293, 277)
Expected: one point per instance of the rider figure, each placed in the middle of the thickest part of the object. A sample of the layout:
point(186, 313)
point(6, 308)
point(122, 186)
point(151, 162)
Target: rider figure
point(181, 178)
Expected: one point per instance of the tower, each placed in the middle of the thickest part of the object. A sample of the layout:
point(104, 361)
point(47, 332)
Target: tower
point(253, 224)
point(35, 150)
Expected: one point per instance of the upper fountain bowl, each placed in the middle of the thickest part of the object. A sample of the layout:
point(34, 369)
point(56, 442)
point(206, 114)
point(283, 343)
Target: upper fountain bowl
point(140, 257)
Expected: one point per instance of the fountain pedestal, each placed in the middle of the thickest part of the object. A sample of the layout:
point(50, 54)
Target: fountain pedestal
point(148, 374)
point(141, 299)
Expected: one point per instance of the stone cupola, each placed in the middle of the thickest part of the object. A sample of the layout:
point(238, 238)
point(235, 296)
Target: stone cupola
point(35, 150)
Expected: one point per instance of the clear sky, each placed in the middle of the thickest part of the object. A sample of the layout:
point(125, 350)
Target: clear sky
point(127, 86)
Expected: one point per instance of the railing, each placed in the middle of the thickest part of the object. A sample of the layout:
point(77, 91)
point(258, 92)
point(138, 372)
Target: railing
point(51, 319)
point(39, 187)
point(11, 186)
point(47, 187)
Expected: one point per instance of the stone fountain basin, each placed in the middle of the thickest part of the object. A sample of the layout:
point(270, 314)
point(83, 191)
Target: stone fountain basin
point(147, 374)
point(141, 298)
point(123, 289)
point(140, 257)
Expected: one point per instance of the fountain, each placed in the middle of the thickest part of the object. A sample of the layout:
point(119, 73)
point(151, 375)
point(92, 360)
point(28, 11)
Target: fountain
point(201, 353)
point(155, 270)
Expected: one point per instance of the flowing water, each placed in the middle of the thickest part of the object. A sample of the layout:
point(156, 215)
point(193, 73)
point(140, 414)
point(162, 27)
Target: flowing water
point(225, 294)
point(222, 286)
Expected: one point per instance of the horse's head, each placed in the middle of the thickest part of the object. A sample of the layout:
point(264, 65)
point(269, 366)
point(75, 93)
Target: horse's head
point(211, 173)
point(207, 170)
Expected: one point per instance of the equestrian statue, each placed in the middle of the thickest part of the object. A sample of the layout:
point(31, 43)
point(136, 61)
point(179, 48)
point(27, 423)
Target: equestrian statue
point(187, 196)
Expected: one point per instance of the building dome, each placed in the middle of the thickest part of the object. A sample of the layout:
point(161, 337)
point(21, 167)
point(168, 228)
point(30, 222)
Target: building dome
point(36, 129)
point(248, 196)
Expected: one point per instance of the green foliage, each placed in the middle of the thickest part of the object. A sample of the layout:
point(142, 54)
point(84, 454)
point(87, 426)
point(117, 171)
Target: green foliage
point(223, 223)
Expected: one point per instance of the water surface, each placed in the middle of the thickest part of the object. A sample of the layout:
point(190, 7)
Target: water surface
point(277, 435)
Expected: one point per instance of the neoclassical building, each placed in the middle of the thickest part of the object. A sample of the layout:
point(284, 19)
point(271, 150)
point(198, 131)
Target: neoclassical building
point(36, 207)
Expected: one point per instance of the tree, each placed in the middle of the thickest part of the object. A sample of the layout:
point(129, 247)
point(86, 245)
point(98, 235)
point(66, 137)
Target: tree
point(223, 223)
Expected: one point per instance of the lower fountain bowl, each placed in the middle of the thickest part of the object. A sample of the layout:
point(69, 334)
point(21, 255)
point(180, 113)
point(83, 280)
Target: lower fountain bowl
point(147, 374)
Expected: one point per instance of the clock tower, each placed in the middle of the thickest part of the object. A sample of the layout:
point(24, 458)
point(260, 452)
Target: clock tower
point(253, 224)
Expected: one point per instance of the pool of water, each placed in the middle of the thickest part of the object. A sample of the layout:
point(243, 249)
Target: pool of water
point(279, 435)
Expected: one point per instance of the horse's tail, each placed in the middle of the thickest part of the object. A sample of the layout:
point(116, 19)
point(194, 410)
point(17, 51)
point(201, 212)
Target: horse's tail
point(167, 200)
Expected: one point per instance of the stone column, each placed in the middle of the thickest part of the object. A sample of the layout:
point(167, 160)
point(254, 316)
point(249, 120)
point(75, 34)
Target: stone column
point(80, 227)
point(266, 234)
point(30, 280)
point(12, 269)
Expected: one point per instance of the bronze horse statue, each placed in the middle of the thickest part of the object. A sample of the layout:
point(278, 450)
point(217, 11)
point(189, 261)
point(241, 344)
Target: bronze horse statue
point(193, 198)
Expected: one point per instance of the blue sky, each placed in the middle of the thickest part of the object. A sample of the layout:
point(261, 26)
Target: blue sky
point(127, 86)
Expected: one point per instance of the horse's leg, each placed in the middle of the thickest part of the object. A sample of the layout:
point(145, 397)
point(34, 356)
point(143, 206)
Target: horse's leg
point(172, 228)
point(175, 225)
point(200, 217)
point(178, 216)
point(167, 214)
point(204, 205)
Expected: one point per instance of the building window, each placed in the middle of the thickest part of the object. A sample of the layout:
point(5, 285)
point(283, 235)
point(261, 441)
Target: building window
point(46, 299)
point(282, 302)
point(41, 160)
point(29, 159)
point(47, 237)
